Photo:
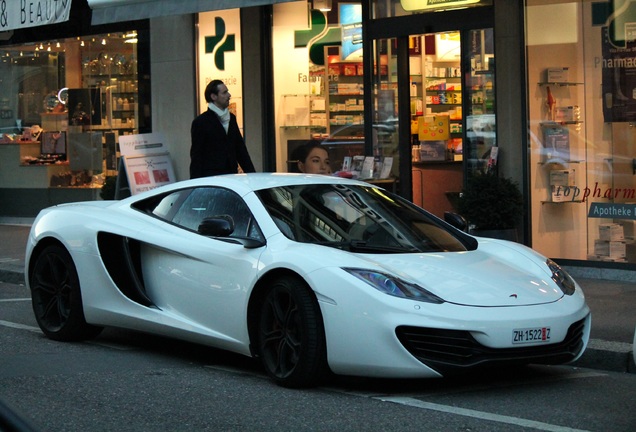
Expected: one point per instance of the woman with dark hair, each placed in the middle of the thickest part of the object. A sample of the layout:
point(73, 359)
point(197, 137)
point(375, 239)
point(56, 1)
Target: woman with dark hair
point(311, 158)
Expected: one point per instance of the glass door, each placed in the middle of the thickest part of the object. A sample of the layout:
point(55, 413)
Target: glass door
point(433, 111)
point(385, 98)
point(481, 134)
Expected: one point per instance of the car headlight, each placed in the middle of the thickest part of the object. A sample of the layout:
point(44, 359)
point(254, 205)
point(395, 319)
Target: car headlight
point(561, 277)
point(394, 286)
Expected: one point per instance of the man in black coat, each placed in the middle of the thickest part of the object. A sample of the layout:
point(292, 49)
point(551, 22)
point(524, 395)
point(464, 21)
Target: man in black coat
point(217, 144)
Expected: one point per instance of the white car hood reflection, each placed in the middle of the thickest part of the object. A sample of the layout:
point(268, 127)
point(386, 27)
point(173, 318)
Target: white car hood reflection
point(474, 278)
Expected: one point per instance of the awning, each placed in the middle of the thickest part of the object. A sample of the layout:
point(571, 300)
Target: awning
point(22, 14)
point(110, 11)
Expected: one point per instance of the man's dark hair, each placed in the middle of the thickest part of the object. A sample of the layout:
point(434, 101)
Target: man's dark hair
point(212, 87)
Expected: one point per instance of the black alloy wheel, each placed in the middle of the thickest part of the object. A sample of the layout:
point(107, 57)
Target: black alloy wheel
point(56, 297)
point(291, 335)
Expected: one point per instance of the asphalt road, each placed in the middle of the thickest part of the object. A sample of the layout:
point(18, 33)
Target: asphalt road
point(126, 381)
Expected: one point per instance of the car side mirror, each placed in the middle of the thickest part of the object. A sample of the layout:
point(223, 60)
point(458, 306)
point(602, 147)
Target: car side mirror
point(217, 226)
point(456, 220)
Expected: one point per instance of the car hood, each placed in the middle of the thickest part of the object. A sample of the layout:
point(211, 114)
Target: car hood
point(476, 278)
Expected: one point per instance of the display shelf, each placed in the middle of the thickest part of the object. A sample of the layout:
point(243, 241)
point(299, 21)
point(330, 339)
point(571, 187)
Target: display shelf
point(561, 123)
point(312, 127)
point(559, 162)
point(559, 84)
point(344, 93)
point(444, 105)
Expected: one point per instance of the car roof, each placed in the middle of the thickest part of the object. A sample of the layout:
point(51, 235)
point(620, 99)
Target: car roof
point(245, 183)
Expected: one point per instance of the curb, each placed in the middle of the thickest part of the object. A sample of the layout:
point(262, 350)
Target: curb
point(607, 355)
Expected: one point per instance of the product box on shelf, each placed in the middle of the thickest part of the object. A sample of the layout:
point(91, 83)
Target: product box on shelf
point(611, 232)
point(565, 177)
point(557, 74)
point(350, 70)
point(611, 249)
point(560, 194)
point(567, 113)
point(433, 150)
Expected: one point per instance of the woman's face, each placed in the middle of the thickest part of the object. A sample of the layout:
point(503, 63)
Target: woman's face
point(317, 162)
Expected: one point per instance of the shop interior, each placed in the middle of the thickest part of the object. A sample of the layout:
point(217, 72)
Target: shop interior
point(63, 104)
point(448, 135)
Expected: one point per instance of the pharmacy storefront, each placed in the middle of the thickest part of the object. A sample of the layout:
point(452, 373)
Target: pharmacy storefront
point(418, 96)
point(582, 113)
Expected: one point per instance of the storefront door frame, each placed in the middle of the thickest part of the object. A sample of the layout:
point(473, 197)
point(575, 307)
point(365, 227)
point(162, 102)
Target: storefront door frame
point(401, 28)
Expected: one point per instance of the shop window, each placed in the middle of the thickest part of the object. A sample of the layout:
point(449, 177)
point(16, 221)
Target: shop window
point(66, 101)
point(581, 117)
point(318, 80)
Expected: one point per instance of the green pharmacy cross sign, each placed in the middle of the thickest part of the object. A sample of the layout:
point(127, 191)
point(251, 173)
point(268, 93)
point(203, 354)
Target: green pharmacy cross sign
point(225, 46)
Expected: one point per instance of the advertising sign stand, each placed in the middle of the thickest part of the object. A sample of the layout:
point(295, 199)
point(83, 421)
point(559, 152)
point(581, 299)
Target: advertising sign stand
point(144, 164)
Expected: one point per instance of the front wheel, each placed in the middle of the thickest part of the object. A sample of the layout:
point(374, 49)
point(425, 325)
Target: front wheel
point(56, 297)
point(291, 335)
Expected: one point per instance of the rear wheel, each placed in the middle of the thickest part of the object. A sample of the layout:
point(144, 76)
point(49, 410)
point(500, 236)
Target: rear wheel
point(291, 335)
point(56, 297)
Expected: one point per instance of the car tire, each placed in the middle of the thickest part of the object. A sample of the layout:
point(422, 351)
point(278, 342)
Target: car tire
point(291, 335)
point(56, 297)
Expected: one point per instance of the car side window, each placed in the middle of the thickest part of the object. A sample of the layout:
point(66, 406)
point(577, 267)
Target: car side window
point(162, 206)
point(208, 202)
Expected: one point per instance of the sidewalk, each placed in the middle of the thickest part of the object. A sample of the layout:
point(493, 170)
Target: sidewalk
point(613, 304)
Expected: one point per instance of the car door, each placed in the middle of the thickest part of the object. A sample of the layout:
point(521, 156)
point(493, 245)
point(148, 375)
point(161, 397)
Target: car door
point(201, 280)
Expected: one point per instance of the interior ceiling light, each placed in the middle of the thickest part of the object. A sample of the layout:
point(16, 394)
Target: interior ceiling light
point(130, 37)
point(103, 41)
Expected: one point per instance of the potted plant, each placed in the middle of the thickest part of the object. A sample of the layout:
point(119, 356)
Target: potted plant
point(492, 205)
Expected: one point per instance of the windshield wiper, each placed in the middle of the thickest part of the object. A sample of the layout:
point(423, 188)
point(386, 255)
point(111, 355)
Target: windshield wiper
point(362, 246)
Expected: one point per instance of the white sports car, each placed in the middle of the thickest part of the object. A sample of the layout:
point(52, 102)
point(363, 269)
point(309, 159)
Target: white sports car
point(312, 274)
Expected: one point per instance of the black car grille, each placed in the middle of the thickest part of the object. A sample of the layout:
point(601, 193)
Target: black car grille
point(446, 350)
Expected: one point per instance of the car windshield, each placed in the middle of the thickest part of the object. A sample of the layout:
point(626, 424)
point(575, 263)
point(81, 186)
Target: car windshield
point(359, 219)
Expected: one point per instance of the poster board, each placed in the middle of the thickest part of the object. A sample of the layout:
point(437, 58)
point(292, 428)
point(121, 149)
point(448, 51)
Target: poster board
point(142, 144)
point(144, 165)
point(433, 128)
point(147, 172)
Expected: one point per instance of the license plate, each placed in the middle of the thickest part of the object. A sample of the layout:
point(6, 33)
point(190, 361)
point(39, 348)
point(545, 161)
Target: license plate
point(530, 335)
